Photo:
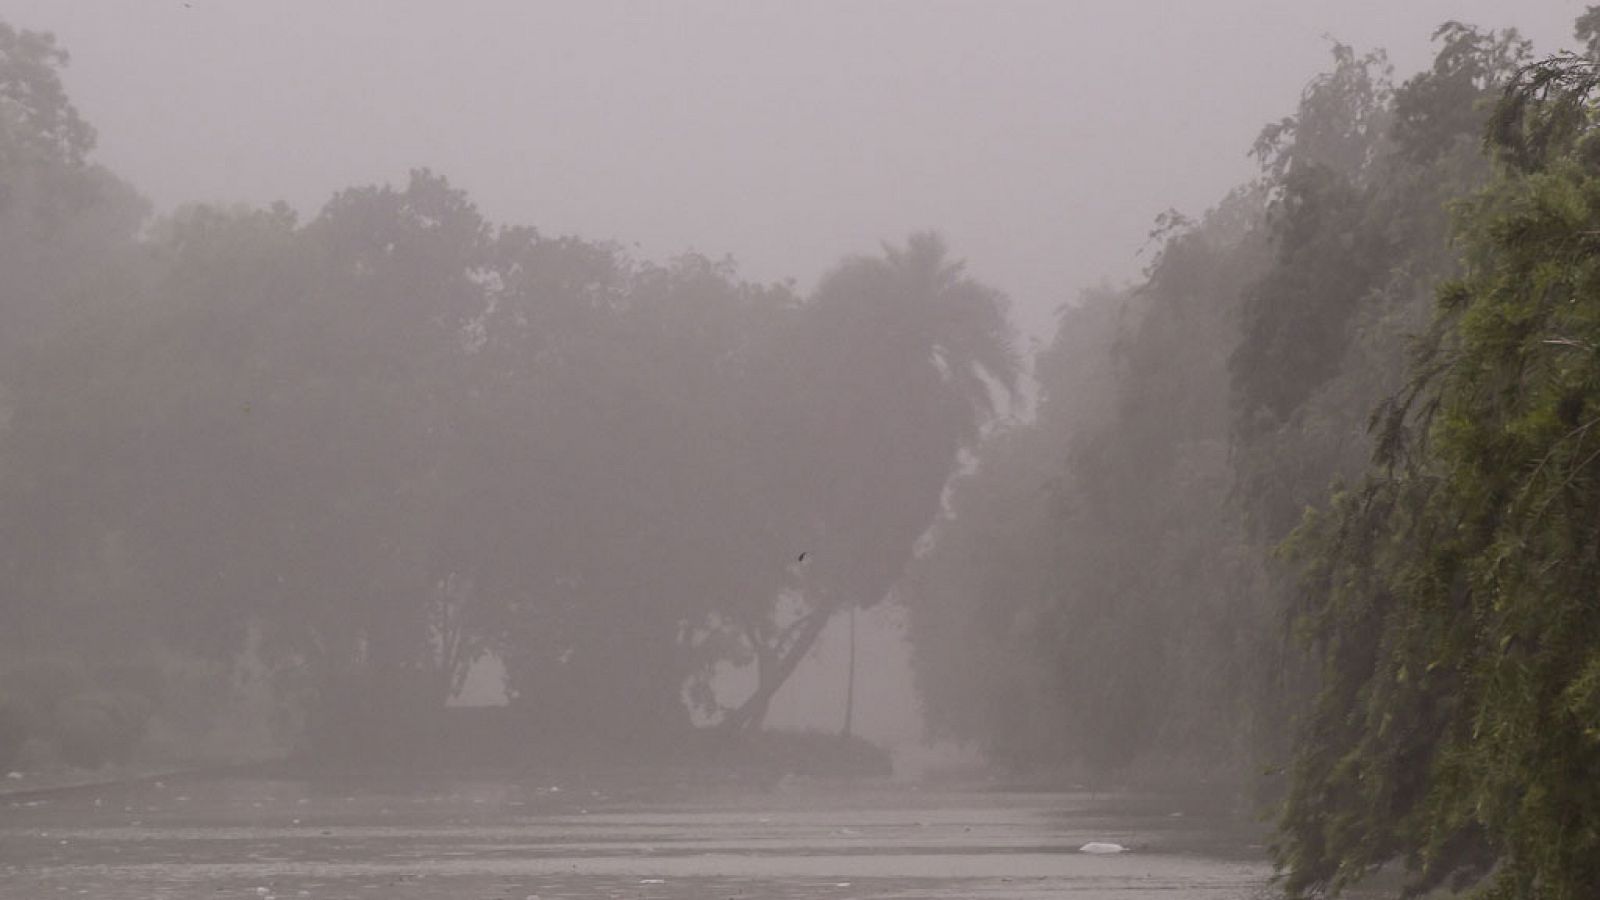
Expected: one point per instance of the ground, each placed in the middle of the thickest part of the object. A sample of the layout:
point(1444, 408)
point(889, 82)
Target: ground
point(644, 838)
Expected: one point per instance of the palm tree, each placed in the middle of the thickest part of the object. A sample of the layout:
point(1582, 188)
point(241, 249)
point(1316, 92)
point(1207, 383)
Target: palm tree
point(896, 365)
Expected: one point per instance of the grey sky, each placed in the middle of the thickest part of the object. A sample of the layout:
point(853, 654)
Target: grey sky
point(1040, 137)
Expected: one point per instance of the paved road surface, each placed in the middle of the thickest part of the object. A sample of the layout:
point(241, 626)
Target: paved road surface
point(483, 840)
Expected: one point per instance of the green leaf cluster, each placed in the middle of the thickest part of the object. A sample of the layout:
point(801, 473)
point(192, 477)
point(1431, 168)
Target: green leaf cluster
point(1453, 595)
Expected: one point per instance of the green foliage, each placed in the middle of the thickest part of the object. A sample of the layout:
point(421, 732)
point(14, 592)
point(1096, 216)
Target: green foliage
point(388, 441)
point(1450, 597)
point(1101, 563)
point(1545, 112)
point(1110, 562)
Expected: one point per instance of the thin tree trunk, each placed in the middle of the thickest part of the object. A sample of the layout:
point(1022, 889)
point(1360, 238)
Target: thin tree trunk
point(850, 679)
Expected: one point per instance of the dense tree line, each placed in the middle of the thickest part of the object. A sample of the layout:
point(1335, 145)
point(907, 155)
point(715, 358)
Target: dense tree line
point(1451, 591)
point(1316, 494)
point(364, 451)
point(1315, 497)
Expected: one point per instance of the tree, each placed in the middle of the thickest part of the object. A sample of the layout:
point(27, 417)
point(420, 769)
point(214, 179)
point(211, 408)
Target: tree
point(1184, 426)
point(643, 469)
point(1085, 602)
point(1450, 594)
point(69, 254)
point(897, 363)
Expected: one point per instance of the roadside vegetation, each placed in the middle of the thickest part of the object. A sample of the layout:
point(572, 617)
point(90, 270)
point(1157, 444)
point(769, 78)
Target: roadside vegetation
point(1313, 508)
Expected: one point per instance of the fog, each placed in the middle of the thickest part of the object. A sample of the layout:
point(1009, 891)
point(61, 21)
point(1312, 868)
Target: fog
point(778, 449)
point(1041, 138)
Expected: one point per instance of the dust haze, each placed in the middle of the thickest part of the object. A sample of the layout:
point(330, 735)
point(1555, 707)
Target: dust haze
point(899, 437)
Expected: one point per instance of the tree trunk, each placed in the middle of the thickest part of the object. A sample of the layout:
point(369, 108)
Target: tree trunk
point(850, 680)
point(770, 678)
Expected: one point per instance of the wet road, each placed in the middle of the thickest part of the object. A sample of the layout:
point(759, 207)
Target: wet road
point(484, 840)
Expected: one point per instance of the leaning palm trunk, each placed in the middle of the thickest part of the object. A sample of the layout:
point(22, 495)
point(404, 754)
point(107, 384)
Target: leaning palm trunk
point(775, 665)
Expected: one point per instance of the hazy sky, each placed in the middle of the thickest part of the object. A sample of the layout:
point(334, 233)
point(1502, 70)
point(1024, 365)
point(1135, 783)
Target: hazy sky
point(1041, 137)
